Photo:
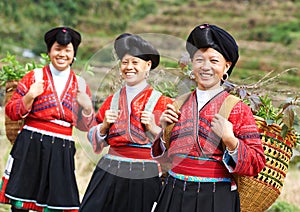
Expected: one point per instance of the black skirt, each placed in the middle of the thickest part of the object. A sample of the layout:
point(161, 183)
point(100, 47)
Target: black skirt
point(122, 186)
point(182, 196)
point(42, 171)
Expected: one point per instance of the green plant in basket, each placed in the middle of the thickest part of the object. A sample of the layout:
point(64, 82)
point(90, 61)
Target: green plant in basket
point(14, 70)
point(286, 115)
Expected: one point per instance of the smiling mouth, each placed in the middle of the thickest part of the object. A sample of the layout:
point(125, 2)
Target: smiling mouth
point(205, 75)
point(130, 73)
point(61, 61)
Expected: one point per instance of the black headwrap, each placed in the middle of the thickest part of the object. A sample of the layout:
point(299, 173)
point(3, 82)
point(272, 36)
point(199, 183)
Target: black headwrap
point(211, 36)
point(63, 36)
point(136, 46)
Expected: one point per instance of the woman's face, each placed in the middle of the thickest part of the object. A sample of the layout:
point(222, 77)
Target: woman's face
point(208, 67)
point(134, 70)
point(61, 56)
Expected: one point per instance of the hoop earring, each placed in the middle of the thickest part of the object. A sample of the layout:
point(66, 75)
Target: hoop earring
point(225, 77)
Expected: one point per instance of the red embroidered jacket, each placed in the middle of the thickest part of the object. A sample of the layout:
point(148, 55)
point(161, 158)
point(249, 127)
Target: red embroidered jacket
point(193, 136)
point(128, 128)
point(48, 106)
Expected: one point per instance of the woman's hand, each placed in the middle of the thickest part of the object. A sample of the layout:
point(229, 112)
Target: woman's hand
point(147, 118)
point(224, 129)
point(85, 102)
point(110, 117)
point(34, 91)
point(169, 116)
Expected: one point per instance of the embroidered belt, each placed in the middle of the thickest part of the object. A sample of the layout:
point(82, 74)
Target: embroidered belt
point(197, 179)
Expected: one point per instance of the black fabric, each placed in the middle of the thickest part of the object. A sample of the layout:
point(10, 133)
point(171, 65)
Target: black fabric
point(43, 170)
point(13, 209)
point(211, 36)
point(181, 196)
point(109, 192)
point(135, 46)
point(64, 36)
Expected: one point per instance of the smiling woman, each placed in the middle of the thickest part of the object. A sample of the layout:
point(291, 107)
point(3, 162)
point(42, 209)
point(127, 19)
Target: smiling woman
point(206, 148)
point(134, 70)
point(50, 103)
point(127, 178)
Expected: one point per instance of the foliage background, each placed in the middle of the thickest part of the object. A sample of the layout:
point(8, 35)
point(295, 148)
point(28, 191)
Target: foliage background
point(267, 31)
point(268, 34)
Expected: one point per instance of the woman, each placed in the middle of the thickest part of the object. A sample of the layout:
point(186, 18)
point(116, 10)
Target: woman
point(127, 178)
point(40, 170)
point(205, 148)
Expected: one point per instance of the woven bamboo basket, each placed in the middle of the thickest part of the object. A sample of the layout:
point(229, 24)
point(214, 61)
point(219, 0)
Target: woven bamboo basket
point(260, 192)
point(11, 127)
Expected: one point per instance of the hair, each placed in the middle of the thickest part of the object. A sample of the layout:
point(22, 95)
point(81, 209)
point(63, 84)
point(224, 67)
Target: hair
point(63, 36)
point(136, 46)
point(211, 36)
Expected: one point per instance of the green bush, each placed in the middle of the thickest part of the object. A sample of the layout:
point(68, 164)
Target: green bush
point(281, 206)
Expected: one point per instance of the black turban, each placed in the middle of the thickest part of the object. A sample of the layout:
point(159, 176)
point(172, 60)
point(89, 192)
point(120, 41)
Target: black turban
point(211, 36)
point(63, 36)
point(136, 46)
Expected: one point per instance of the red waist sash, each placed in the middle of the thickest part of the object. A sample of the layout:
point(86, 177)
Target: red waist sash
point(200, 168)
point(131, 152)
point(49, 126)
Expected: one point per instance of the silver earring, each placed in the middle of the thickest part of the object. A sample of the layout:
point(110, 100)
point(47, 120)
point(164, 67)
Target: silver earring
point(192, 76)
point(225, 77)
point(147, 75)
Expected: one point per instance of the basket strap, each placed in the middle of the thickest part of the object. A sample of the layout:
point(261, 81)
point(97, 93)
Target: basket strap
point(155, 95)
point(114, 105)
point(227, 106)
point(81, 83)
point(38, 74)
point(177, 104)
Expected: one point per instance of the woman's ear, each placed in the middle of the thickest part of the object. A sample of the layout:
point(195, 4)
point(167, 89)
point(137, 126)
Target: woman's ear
point(149, 64)
point(227, 66)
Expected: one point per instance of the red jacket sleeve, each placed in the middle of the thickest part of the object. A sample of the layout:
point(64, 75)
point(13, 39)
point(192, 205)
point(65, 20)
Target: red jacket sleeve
point(251, 158)
point(15, 108)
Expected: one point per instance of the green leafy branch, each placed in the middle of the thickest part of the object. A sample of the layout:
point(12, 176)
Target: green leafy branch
point(14, 70)
point(287, 115)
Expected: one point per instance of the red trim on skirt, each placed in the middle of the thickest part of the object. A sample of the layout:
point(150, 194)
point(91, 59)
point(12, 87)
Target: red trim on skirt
point(25, 205)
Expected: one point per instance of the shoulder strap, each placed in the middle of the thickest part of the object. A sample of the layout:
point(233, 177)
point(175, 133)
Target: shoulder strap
point(81, 83)
point(38, 74)
point(177, 103)
point(114, 105)
point(155, 95)
point(228, 105)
